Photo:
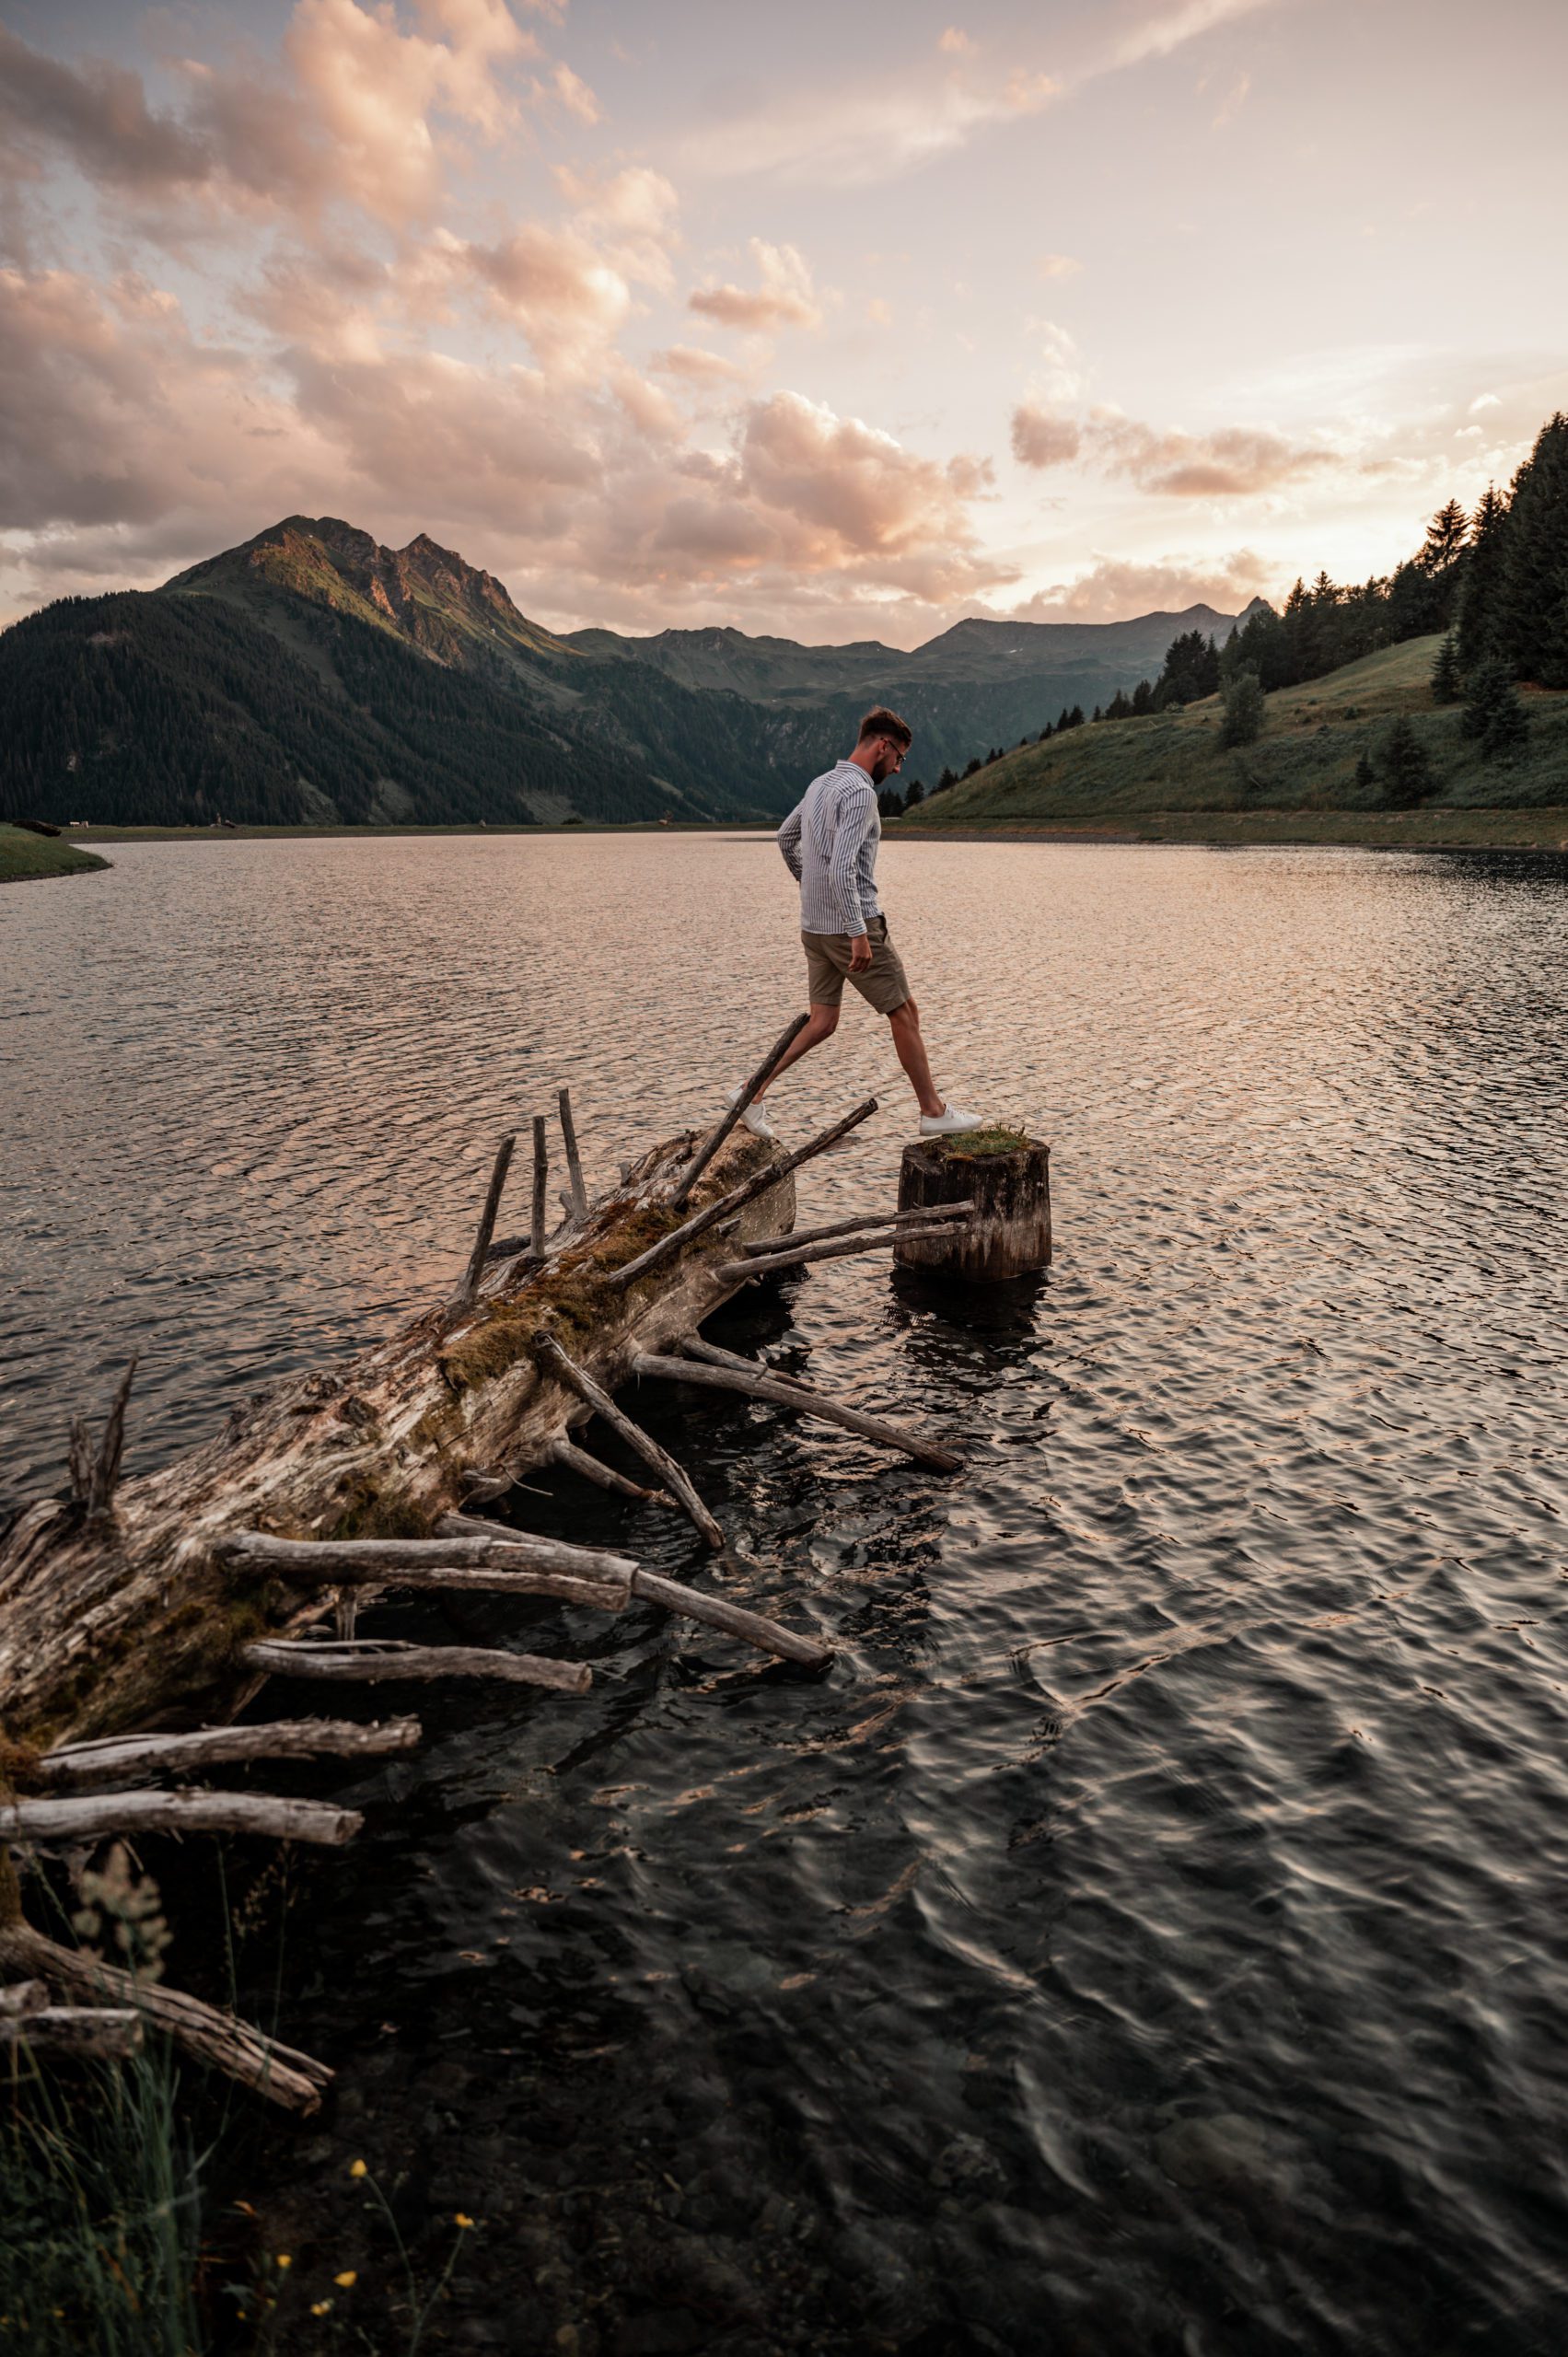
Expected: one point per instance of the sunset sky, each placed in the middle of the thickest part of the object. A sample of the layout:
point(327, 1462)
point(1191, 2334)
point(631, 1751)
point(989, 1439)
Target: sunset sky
point(836, 321)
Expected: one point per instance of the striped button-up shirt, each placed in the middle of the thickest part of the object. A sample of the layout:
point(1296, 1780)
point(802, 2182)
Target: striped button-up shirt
point(829, 843)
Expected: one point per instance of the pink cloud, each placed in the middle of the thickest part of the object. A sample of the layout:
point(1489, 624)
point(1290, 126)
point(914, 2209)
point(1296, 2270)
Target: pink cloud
point(782, 296)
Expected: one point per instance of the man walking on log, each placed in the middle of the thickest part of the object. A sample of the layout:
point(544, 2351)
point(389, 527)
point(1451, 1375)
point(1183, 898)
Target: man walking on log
point(829, 843)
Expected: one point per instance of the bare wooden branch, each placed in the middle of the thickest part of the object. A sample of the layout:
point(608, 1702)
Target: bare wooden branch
point(593, 1468)
point(372, 1658)
point(517, 1563)
point(23, 1997)
point(732, 1618)
point(279, 2071)
point(579, 1203)
point(763, 1264)
point(116, 1758)
point(83, 1816)
point(108, 2033)
point(738, 1197)
point(540, 1172)
point(724, 1369)
point(550, 1353)
point(106, 1471)
point(716, 1612)
point(717, 1135)
point(862, 1221)
point(475, 1269)
point(80, 1460)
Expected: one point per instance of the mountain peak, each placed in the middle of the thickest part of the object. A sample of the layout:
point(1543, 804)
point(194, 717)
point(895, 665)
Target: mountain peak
point(426, 594)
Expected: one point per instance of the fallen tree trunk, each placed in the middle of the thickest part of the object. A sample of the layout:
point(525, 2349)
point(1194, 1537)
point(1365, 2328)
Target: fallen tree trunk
point(116, 1610)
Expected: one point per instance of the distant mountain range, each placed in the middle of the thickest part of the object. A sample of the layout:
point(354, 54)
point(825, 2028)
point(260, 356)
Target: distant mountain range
point(311, 675)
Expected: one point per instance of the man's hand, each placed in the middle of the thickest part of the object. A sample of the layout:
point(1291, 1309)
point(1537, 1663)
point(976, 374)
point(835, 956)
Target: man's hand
point(860, 953)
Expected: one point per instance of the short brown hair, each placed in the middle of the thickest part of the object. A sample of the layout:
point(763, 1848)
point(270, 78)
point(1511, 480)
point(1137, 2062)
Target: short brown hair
point(880, 721)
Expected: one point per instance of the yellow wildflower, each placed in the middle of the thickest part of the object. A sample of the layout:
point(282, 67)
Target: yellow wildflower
point(359, 2168)
point(347, 2280)
point(462, 2219)
point(320, 2308)
point(284, 2259)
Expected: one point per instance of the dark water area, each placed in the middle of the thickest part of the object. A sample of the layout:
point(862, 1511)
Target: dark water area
point(1150, 1936)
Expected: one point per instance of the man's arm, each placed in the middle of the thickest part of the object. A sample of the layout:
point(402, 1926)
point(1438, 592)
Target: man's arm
point(858, 813)
point(788, 840)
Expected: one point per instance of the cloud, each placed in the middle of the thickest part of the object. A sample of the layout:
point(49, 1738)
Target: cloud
point(351, 123)
point(782, 297)
point(1169, 29)
point(1115, 589)
point(803, 135)
point(1231, 462)
point(1039, 440)
point(1057, 266)
point(697, 367)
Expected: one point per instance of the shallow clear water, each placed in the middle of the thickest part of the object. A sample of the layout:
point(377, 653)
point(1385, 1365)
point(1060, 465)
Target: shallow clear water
point(1150, 1936)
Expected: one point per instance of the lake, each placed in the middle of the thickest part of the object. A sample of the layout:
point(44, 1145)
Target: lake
point(1151, 1936)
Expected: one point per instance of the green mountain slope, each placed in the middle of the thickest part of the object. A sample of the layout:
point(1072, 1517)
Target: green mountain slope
point(1306, 759)
point(980, 684)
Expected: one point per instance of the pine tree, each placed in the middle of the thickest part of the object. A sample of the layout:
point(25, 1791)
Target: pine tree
point(1063, 720)
point(1046, 734)
point(1096, 714)
point(1532, 614)
point(1242, 722)
point(972, 765)
point(1446, 537)
point(1493, 714)
point(1119, 707)
point(948, 778)
point(1143, 698)
point(1407, 770)
point(1075, 717)
point(1448, 685)
point(915, 796)
point(1478, 615)
point(890, 805)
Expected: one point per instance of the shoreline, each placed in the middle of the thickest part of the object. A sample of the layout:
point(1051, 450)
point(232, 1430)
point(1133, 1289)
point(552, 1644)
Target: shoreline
point(1443, 829)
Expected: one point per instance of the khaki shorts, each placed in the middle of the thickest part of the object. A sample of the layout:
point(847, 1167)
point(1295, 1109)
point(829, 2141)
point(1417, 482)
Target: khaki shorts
point(883, 983)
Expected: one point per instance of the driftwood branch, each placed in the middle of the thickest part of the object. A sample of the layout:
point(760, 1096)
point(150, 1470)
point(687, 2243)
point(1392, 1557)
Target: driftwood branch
point(541, 1173)
point(95, 1472)
point(475, 1269)
point(593, 1468)
point(275, 2070)
point(765, 1264)
point(717, 1135)
point(714, 1612)
point(738, 1197)
point(116, 1759)
point(862, 1222)
point(108, 2033)
point(549, 1354)
point(374, 1658)
point(517, 1563)
point(84, 1817)
point(579, 1206)
point(706, 1364)
point(23, 1997)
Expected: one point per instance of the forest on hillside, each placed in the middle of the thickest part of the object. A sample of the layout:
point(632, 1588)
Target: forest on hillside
point(1494, 581)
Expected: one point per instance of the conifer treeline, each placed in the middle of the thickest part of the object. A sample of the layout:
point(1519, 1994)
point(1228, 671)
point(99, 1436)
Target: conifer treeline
point(1496, 582)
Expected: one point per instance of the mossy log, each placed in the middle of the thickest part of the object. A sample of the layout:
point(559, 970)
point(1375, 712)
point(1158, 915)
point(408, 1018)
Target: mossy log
point(115, 1609)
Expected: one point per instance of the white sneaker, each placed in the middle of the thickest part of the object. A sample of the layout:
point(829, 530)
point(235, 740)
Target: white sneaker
point(950, 1123)
point(754, 1118)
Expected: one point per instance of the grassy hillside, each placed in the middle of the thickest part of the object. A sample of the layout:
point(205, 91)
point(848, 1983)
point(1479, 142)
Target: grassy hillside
point(25, 856)
point(1171, 765)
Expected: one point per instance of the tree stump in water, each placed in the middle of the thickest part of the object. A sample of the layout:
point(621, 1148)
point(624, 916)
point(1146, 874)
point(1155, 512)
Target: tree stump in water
point(1008, 1234)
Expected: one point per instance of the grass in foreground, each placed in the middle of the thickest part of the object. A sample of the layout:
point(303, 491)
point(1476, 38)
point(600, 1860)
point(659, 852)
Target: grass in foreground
point(1000, 1138)
point(24, 855)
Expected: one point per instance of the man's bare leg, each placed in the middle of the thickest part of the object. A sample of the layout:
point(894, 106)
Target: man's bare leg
point(910, 1048)
point(822, 1024)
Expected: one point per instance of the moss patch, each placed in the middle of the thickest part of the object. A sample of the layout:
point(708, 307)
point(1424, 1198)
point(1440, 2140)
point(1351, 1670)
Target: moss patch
point(998, 1139)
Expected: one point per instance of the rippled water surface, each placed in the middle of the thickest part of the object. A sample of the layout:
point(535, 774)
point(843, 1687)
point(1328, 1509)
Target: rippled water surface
point(1150, 1936)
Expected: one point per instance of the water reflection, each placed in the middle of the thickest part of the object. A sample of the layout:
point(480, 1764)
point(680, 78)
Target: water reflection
point(1148, 1936)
